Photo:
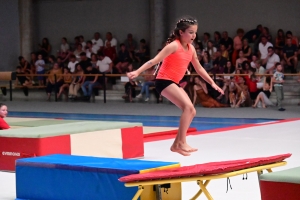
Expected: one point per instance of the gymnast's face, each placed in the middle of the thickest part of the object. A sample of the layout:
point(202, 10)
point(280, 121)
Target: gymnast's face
point(3, 111)
point(189, 34)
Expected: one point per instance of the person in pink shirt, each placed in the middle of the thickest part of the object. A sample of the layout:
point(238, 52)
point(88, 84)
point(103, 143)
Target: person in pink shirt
point(176, 57)
point(3, 114)
point(237, 44)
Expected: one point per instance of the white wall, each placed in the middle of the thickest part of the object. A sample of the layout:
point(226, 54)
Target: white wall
point(56, 19)
point(9, 35)
point(220, 15)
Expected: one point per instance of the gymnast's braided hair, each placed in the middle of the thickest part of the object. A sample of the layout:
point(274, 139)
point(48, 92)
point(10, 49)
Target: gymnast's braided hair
point(181, 25)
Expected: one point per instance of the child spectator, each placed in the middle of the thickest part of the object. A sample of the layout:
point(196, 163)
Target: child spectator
point(3, 114)
point(254, 59)
point(259, 70)
point(89, 82)
point(72, 63)
point(76, 83)
point(67, 80)
point(40, 64)
point(123, 59)
point(54, 81)
point(24, 81)
point(251, 82)
point(263, 96)
point(278, 85)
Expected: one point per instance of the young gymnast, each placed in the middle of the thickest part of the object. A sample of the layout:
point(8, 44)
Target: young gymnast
point(176, 57)
point(3, 114)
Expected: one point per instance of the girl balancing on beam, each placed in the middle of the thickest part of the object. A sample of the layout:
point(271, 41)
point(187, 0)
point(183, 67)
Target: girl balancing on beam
point(176, 57)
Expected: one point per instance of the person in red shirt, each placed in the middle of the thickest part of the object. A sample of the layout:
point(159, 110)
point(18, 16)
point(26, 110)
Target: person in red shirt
point(176, 57)
point(251, 82)
point(3, 114)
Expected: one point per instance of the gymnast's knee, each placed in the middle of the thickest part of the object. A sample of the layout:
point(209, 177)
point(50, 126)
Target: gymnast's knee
point(191, 109)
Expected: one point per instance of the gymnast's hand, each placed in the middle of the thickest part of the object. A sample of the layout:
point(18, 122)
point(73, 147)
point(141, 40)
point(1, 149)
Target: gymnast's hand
point(132, 75)
point(217, 88)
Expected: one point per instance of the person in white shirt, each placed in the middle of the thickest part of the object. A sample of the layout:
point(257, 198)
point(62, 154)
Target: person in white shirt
point(113, 41)
point(97, 42)
point(263, 47)
point(211, 49)
point(82, 42)
point(72, 63)
point(64, 51)
point(259, 71)
point(270, 61)
point(104, 64)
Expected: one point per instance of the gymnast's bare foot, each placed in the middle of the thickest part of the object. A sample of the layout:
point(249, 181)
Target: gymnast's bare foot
point(180, 151)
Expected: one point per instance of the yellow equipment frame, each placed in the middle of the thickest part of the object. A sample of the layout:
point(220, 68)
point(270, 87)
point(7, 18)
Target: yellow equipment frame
point(202, 181)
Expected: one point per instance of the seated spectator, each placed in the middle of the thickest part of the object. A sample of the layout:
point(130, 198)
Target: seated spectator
point(279, 43)
point(247, 49)
point(89, 81)
point(97, 42)
point(271, 60)
point(254, 59)
point(94, 60)
point(207, 61)
point(44, 48)
point(76, 82)
point(217, 39)
point(60, 63)
point(143, 52)
point(82, 42)
point(148, 82)
point(3, 114)
point(263, 47)
point(40, 69)
point(113, 41)
point(227, 42)
point(84, 61)
point(51, 61)
point(130, 92)
point(110, 51)
point(260, 70)
point(289, 34)
point(90, 48)
point(25, 66)
point(219, 59)
point(240, 60)
point(246, 67)
point(228, 69)
point(24, 81)
point(251, 81)
point(123, 59)
point(201, 93)
point(206, 37)
point(104, 64)
point(76, 43)
point(78, 51)
point(263, 97)
point(67, 80)
point(239, 94)
point(54, 80)
point(224, 52)
point(237, 44)
point(64, 52)
point(210, 48)
point(290, 55)
point(72, 63)
point(130, 44)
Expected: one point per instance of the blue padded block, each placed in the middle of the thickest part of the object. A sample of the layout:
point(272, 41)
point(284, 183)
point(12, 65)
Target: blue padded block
point(66, 177)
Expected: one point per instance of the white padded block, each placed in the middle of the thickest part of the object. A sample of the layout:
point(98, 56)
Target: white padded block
point(106, 143)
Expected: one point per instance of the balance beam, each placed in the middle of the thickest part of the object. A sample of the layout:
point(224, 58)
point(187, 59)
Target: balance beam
point(203, 174)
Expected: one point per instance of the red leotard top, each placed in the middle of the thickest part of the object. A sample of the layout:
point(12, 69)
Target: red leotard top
point(3, 124)
point(175, 65)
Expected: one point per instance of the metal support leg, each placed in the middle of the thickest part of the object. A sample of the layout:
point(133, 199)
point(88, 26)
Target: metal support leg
point(138, 193)
point(158, 192)
point(200, 191)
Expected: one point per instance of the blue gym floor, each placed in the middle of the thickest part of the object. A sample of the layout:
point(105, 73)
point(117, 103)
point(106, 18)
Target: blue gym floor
point(200, 123)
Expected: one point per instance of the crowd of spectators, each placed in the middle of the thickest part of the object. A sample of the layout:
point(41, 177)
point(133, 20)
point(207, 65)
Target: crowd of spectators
point(250, 54)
